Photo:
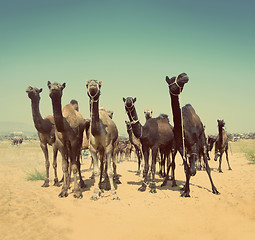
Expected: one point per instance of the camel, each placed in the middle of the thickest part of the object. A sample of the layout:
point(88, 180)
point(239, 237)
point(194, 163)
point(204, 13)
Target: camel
point(221, 145)
point(155, 134)
point(161, 157)
point(188, 132)
point(148, 113)
point(69, 133)
point(136, 143)
point(103, 138)
point(46, 132)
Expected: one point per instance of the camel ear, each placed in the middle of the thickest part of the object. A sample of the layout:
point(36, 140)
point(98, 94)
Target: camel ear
point(151, 111)
point(63, 85)
point(134, 100)
point(101, 83)
point(48, 84)
point(40, 90)
point(167, 80)
point(144, 111)
point(87, 82)
point(124, 99)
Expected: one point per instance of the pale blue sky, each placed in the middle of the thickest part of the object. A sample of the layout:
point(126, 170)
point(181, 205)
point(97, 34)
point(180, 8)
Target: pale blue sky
point(131, 46)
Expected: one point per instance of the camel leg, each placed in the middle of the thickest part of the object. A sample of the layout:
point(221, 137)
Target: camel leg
point(146, 169)
point(82, 183)
point(220, 160)
point(173, 169)
point(153, 170)
point(96, 173)
point(226, 151)
point(208, 170)
point(139, 160)
point(47, 164)
point(66, 181)
point(74, 168)
point(115, 174)
point(55, 152)
point(108, 151)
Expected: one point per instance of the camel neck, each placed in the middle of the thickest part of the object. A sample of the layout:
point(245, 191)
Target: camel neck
point(94, 111)
point(176, 119)
point(57, 113)
point(136, 125)
point(37, 117)
point(220, 134)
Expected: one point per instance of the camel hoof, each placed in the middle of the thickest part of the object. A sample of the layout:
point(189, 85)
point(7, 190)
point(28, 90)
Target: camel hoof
point(164, 183)
point(215, 191)
point(230, 169)
point(56, 182)
point(142, 188)
point(115, 197)
point(117, 181)
point(94, 197)
point(82, 184)
point(185, 194)
point(220, 171)
point(46, 183)
point(153, 190)
point(174, 184)
point(78, 195)
point(138, 172)
point(63, 194)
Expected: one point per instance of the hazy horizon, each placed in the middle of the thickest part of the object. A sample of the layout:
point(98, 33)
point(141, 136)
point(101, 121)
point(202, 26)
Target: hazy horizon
point(132, 46)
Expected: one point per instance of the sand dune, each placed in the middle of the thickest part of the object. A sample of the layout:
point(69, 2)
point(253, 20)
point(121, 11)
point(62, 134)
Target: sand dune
point(28, 211)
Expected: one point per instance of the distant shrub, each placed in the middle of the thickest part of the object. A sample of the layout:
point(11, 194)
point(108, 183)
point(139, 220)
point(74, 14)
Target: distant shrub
point(250, 155)
point(35, 175)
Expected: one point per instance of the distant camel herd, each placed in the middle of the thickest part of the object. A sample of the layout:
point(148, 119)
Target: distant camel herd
point(69, 133)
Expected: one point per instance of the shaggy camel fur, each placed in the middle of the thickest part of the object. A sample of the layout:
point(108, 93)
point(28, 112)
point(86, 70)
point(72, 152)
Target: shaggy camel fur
point(155, 134)
point(69, 132)
point(103, 135)
point(136, 143)
point(191, 133)
point(46, 132)
point(221, 145)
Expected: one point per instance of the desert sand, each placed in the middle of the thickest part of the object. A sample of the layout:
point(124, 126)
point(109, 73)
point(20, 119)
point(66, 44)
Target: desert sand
point(28, 211)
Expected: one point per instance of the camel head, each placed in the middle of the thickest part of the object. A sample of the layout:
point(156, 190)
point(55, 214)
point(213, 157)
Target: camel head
point(56, 89)
point(110, 113)
point(93, 87)
point(221, 123)
point(176, 84)
point(129, 103)
point(75, 104)
point(33, 93)
point(148, 113)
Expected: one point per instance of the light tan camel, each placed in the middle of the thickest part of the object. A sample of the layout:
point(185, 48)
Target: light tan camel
point(69, 133)
point(46, 132)
point(148, 113)
point(103, 135)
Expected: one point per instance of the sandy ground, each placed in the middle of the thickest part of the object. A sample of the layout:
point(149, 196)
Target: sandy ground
point(28, 211)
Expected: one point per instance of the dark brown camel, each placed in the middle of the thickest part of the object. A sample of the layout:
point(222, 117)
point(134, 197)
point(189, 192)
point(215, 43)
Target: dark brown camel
point(136, 143)
point(190, 138)
point(46, 132)
point(221, 145)
point(155, 134)
point(69, 133)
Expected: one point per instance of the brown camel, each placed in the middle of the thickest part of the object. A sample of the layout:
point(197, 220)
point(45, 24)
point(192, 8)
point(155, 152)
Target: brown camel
point(221, 145)
point(46, 132)
point(156, 135)
point(136, 143)
point(103, 135)
point(69, 133)
point(189, 137)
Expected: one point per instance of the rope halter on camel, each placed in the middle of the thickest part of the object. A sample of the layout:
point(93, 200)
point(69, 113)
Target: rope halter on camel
point(92, 97)
point(175, 82)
